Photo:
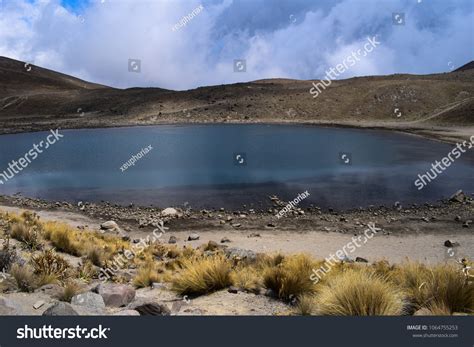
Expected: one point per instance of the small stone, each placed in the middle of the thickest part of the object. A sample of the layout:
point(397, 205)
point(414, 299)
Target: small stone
point(193, 237)
point(38, 304)
point(172, 239)
point(225, 240)
point(127, 313)
point(236, 225)
point(448, 243)
point(233, 290)
point(459, 196)
point(89, 299)
point(169, 212)
point(110, 225)
point(457, 218)
point(146, 308)
point(425, 219)
point(361, 260)
point(116, 295)
point(271, 225)
point(254, 235)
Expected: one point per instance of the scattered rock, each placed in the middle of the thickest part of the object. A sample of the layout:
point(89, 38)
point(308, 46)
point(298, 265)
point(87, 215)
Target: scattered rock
point(225, 240)
point(52, 290)
point(173, 239)
point(240, 253)
point(271, 225)
point(233, 290)
point(169, 212)
point(457, 218)
point(361, 260)
point(109, 226)
point(147, 308)
point(38, 304)
point(459, 196)
point(467, 223)
point(425, 219)
point(60, 309)
point(255, 235)
point(90, 300)
point(193, 237)
point(116, 295)
point(448, 243)
point(236, 225)
point(158, 285)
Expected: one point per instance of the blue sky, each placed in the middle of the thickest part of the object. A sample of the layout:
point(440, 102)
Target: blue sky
point(301, 39)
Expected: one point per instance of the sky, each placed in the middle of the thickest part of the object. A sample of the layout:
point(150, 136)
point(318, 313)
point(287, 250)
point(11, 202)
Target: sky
point(102, 40)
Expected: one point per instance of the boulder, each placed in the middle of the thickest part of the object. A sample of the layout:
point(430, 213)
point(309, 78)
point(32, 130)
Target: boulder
point(60, 309)
point(52, 290)
point(90, 300)
point(116, 295)
point(9, 307)
point(149, 308)
point(109, 226)
point(169, 212)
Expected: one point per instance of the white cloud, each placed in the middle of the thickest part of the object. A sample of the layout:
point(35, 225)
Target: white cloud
point(97, 43)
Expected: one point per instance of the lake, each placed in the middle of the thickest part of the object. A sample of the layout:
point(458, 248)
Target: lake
point(204, 166)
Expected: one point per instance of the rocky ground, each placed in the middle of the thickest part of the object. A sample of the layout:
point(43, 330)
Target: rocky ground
point(423, 233)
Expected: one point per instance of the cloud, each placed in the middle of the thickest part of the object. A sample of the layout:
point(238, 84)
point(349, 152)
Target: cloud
point(293, 39)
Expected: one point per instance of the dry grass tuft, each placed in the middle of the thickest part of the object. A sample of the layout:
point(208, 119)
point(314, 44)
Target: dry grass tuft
point(291, 277)
point(305, 305)
point(49, 265)
point(70, 290)
point(146, 276)
point(24, 278)
point(356, 293)
point(27, 234)
point(202, 276)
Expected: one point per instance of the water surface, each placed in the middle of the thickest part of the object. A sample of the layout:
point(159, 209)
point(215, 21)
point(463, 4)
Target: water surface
point(196, 165)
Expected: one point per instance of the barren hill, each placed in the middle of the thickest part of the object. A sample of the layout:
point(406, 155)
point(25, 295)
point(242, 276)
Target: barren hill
point(33, 98)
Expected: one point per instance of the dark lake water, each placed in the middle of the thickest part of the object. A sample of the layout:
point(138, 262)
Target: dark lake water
point(200, 165)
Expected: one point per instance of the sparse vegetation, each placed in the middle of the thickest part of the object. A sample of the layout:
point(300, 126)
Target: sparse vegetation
point(379, 288)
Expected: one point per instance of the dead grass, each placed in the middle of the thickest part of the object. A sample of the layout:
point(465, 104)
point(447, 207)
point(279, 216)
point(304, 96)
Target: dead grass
point(27, 234)
point(357, 293)
point(202, 276)
point(24, 278)
point(146, 276)
point(291, 277)
point(49, 266)
point(305, 305)
point(70, 290)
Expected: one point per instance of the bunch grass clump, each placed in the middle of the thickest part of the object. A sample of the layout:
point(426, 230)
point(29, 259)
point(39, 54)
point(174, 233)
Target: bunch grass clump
point(357, 293)
point(203, 275)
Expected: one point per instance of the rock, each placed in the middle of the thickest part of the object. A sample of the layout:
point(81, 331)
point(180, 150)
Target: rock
point(148, 308)
point(9, 307)
point(233, 290)
point(89, 299)
point(459, 196)
point(448, 243)
point(158, 285)
point(270, 293)
point(60, 309)
point(116, 295)
point(425, 219)
point(467, 223)
point(172, 239)
point(271, 225)
point(255, 235)
point(240, 253)
point(169, 212)
point(52, 290)
point(229, 218)
point(109, 226)
point(127, 313)
point(212, 246)
point(236, 225)
point(193, 237)
point(457, 218)
point(225, 240)
point(38, 304)
point(361, 260)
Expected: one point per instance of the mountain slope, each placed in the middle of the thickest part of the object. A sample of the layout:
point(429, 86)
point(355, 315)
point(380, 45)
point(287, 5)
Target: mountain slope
point(41, 99)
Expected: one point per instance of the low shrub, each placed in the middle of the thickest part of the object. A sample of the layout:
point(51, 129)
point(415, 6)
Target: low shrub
point(24, 278)
point(49, 265)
